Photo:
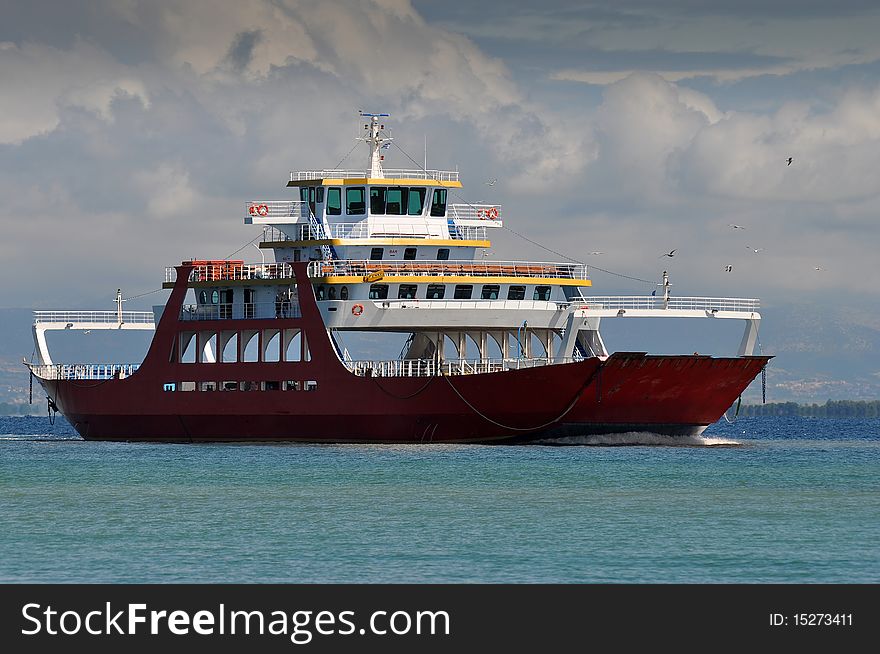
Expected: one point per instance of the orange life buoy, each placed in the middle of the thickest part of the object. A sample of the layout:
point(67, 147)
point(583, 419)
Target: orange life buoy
point(357, 309)
point(263, 210)
point(492, 213)
point(252, 210)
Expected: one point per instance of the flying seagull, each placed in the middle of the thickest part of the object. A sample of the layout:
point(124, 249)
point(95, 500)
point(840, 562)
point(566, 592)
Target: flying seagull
point(597, 253)
point(789, 160)
point(670, 254)
point(735, 226)
point(755, 250)
point(819, 268)
point(492, 181)
point(728, 268)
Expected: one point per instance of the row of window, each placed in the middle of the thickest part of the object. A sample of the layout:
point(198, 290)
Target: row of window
point(287, 385)
point(460, 292)
point(384, 200)
point(409, 254)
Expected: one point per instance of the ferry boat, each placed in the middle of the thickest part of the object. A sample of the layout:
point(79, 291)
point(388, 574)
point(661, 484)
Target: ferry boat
point(495, 351)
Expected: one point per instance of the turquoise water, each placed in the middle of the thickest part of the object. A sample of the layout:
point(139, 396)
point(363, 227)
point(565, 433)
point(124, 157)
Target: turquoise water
point(764, 500)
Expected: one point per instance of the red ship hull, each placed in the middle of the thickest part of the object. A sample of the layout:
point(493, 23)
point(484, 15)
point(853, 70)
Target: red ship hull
point(677, 395)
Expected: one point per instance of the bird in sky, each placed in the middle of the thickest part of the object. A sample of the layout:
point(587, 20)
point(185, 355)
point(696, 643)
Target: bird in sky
point(735, 226)
point(790, 159)
point(819, 268)
point(492, 181)
point(597, 253)
point(755, 250)
point(728, 268)
point(670, 254)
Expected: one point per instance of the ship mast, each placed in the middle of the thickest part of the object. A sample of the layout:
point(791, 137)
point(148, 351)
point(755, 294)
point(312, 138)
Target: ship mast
point(376, 141)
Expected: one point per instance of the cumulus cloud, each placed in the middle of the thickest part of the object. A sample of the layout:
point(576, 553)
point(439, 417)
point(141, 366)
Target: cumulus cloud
point(40, 79)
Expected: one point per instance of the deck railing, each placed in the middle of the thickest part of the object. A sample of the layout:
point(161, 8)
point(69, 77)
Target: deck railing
point(280, 209)
point(488, 212)
point(306, 232)
point(449, 268)
point(432, 367)
point(247, 311)
point(390, 173)
point(219, 272)
point(87, 371)
point(617, 302)
point(138, 317)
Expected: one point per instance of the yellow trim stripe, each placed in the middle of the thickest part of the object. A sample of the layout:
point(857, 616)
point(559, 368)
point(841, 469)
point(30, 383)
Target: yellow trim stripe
point(384, 181)
point(377, 241)
point(455, 279)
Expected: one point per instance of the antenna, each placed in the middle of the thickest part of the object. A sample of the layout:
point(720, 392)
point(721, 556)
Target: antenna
point(426, 152)
point(376, 141)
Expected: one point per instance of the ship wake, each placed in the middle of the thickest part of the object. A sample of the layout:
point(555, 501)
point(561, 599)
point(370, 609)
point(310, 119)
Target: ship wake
point(641, 438)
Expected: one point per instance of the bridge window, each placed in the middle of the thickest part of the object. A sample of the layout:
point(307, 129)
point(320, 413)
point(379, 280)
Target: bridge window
point(331, 294)
point(334, 201)
point(354, 201)
point(438, 204)
point(407, 291)
point(376, 253)
point(409, 253)
point(319, 198)
point(416, 201)
point(377, 199)
point(378, 291)
point(463, 291)
point(436, 291)
point(516, 293)
point(396, 201)
point(343, 293)
point(542, 293)
point(443, 254)
point(490, 291)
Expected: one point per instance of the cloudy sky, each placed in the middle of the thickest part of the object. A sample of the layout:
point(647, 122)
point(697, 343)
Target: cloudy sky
point(132, 132)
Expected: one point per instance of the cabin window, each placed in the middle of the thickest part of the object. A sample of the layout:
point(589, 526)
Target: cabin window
point(307, 194)
point(542, 293)
point(377, 199)
point(463, 291)
point(407, 291)
point(354, 201)
point(334, 201)
point(319, 197)
point(443, 254)
point(304, 193)
point(376, 253)
point(490, 291)
point(436, 291)
point(438, 204)
point(215, 297)
point(343, 293)
point(395, 204)
point(516, 293)
point(378, 291)
point(291, 385)
point(409, 253)
point(331, 294)
point(319, 294)
point(416, 201)
point(203, 297)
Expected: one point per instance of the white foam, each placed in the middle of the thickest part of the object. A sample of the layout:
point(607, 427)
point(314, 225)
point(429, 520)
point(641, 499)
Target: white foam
point(643, 438)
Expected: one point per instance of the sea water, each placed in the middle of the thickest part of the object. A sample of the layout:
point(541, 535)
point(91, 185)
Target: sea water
point(787, 500)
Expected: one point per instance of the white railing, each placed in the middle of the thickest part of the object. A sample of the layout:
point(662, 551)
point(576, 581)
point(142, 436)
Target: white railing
point(682, 303)
point(431, 367)
point(279, 209)
point(473, 304)
point(138, 317)
point(449, 268)
point(390, 173)
point(220, 271)
point(253, 310)
point(305, 232)
point(474, 212)
point(93, 371)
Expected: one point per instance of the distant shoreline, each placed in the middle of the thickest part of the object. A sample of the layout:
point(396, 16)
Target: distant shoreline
point(831, 409)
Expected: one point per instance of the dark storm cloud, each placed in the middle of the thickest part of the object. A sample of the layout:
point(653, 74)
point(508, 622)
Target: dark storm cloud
point(241, 51)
